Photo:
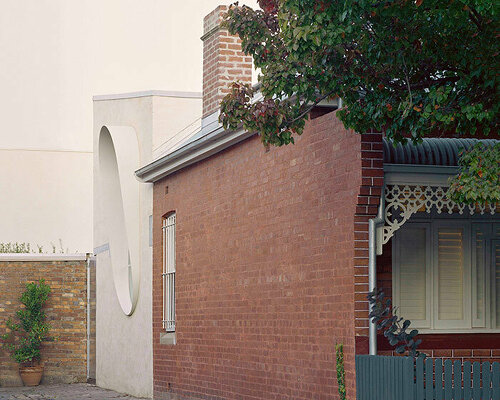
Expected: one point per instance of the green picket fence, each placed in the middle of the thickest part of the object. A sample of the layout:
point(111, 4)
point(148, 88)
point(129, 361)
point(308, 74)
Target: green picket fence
point(403, 378)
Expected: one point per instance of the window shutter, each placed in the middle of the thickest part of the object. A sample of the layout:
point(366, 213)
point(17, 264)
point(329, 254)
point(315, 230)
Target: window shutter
point(478, 278)
point(413, 264)
point(450, 261)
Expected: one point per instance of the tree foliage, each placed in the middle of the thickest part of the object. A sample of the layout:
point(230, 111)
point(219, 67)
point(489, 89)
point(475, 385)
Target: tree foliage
point(479, 177)
point(407, 68)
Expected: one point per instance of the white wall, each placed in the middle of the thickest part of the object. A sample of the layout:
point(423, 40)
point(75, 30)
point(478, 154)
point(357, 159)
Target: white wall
point(45, 198)
point(124, 342)
point(54, 56)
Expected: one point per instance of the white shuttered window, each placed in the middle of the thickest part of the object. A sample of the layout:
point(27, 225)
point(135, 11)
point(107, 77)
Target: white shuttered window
point(413, 272)
point(446, 275)
point(168, 275)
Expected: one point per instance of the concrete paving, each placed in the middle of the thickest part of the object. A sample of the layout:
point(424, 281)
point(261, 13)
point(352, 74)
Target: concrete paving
point(73, 391)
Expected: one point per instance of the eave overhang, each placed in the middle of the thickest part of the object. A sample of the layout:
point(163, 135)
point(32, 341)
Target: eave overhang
point(195, 151)
point(414, 174)
point(203, 147)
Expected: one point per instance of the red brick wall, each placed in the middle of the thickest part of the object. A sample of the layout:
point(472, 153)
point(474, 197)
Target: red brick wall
point(64, 359)
point(265, 269)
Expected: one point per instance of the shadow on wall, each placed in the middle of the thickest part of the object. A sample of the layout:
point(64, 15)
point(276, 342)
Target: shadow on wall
point(118, 160)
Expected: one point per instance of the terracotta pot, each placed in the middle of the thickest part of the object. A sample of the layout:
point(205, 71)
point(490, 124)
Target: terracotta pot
point(31, 375)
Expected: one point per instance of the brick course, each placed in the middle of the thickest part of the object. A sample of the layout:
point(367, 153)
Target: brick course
point(265, 269)
point(65, 358)
point(462, 355)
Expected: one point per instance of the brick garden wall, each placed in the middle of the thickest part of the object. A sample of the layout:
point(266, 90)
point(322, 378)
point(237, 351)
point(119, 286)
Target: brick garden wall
point(265, 269)
point(64, 359)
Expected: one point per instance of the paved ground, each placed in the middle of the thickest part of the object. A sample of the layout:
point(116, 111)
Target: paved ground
point(61, 392)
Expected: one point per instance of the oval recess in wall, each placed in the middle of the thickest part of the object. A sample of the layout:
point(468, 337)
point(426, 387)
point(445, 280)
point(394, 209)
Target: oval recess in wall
point(118, 160)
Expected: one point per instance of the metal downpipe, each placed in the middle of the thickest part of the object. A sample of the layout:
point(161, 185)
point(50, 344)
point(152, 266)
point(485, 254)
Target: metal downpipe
point(372, 269)
point(89, 255)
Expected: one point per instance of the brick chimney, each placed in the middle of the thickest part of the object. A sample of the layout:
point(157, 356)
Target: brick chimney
point(223, 61)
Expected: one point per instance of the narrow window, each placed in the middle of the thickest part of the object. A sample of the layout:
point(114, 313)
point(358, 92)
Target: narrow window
point(169, 273)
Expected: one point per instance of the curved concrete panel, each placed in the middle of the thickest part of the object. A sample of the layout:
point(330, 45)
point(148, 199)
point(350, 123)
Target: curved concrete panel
point(118, 159)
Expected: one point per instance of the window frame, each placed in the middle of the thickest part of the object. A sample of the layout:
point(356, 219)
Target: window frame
point(493, 303)
point(169, 222)
point(485, 230)
point(470, 227)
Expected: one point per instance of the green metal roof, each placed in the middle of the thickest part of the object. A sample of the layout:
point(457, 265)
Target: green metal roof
point(431, 151)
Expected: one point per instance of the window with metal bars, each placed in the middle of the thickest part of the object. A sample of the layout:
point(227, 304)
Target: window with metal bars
point(168, 275)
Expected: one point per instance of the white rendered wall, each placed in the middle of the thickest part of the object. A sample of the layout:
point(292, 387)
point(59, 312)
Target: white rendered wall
point(46, 196)
point(124, 342)
point(54, 56)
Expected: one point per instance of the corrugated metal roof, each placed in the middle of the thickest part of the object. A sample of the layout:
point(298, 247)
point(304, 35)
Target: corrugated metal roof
point(431, 151)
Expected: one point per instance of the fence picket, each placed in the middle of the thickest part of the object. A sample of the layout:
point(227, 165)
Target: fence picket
point(357, 368)
point(457, 380)
point(400, 378)
point(439, 380)
point(395, 365)
point(368, 374)
point(420, 379)
point(476, 376)
point(486, 380)
point(367, 377)
point(429, 383)
point(387, 389)
point(447, 380)
point(495, 381)
point(408, 379)
point(467, 381)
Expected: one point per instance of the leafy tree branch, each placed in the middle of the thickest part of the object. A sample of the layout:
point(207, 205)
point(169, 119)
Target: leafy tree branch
point(409, 69)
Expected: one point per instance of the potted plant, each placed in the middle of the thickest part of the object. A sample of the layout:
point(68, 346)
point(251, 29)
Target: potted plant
point(25, 338)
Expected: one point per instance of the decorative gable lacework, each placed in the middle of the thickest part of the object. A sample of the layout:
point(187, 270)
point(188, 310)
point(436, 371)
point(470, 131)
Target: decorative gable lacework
point(402, 201)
